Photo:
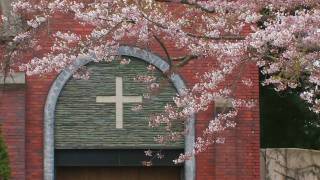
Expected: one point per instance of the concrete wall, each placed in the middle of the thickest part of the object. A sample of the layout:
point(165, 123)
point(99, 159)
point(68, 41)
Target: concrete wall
point(290, 164)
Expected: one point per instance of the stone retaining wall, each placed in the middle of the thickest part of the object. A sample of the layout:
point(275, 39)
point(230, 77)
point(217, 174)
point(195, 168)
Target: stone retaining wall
point(289, 164)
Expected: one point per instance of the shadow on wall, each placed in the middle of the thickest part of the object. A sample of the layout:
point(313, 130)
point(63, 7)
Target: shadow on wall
point(289, 164)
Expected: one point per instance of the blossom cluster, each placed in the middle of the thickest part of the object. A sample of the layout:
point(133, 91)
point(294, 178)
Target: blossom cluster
point(284, 43)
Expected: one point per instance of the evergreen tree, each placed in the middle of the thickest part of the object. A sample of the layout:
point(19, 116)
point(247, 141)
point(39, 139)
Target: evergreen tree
point(4, 161)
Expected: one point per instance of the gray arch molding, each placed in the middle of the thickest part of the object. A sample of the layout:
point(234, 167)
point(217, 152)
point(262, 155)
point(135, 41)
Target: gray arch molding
point(63, 77)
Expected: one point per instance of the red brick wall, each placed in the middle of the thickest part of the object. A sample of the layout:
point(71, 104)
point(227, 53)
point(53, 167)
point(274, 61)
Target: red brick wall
point(237, 158)
point(12, 118)
point(37, 91)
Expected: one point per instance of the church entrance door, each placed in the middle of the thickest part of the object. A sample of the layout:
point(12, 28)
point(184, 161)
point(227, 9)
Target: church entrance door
point(119, 173)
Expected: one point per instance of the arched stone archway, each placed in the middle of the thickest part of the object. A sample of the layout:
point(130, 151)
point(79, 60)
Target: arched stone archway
point(64, 76)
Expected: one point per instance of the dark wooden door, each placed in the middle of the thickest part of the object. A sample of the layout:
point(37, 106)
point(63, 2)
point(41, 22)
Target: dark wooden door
point(119, 173)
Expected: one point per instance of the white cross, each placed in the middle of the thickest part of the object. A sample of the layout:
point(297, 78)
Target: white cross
point(119, 99)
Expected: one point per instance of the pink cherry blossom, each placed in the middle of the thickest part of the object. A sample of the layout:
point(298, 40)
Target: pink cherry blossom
point(283, 43)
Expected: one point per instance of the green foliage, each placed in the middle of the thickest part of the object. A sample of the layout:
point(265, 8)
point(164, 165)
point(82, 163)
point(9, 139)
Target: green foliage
point(4, 161)
point(286, 121)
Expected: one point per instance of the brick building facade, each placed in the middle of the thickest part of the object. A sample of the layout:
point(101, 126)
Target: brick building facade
point(23, 105)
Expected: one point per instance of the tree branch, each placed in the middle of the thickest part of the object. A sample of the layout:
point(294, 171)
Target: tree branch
point(184, 60)
point(194, 4)
point(223, 37)
point(164, 49)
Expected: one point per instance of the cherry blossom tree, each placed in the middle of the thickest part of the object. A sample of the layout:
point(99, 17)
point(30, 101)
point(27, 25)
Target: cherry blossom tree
point(283, 42)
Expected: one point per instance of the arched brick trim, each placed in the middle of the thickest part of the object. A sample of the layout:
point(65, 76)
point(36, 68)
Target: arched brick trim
point(63, 77)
